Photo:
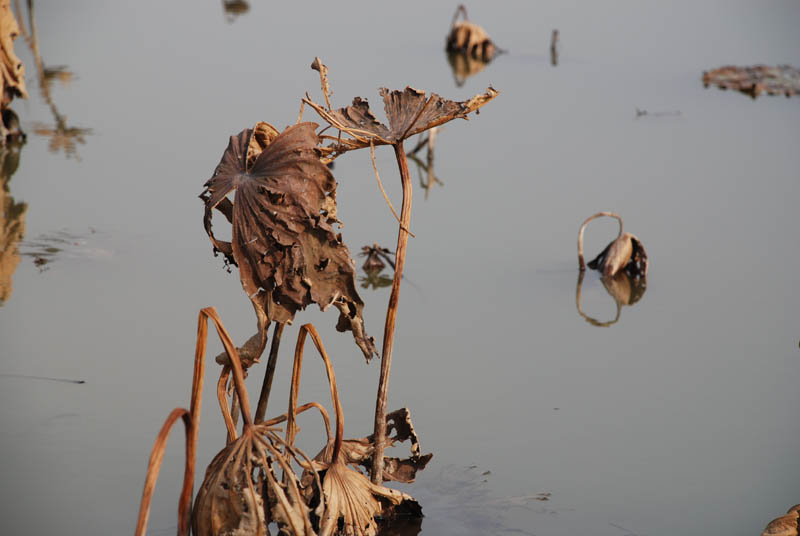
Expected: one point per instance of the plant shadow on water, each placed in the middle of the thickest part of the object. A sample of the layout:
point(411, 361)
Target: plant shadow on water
point(62, 136)
point(12, 220)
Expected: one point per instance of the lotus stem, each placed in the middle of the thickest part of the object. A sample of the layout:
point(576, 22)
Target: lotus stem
point(154, 465)
point(391, 315)
point(581, 264)
point(266, 388)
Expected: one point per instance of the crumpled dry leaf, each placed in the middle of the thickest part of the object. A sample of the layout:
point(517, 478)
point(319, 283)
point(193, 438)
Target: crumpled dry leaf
point(287, 251)
point(231, 499)
point(785, 525)
point(756, 79)
point(469, 39)
point(12, 81)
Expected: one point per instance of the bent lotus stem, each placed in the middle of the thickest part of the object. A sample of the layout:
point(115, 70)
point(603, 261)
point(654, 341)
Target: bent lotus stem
point(291, 427)
point(582, 264)
point(391, 315)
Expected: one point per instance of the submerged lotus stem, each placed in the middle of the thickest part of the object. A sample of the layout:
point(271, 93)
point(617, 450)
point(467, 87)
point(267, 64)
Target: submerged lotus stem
point(583, 226)
point(391, 315)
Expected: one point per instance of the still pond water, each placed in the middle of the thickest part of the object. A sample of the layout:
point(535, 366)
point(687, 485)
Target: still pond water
point(680, 418)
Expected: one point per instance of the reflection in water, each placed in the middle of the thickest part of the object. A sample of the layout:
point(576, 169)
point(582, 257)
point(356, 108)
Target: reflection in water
point(374, 265)
point(12, 220)
point(234, 8)
point(626, 289)
point(48, 247)
point(464, 66)
point(62, 136)
point(429, 178)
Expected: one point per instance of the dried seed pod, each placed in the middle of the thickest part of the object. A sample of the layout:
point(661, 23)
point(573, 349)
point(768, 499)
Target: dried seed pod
point(468, 38)
point(623, 287)
point(242, 477)
point(626, 252)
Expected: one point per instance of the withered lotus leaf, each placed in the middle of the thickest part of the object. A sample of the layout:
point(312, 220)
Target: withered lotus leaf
point(409, 112)
point(283, 241)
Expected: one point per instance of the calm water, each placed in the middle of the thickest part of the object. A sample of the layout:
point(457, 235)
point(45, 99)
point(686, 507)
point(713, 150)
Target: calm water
point(681, 418)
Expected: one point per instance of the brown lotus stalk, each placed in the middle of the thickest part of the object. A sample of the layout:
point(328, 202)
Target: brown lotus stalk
point(624, 253)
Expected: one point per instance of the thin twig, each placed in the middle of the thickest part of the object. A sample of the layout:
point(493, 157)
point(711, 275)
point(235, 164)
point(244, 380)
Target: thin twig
point(380, 184)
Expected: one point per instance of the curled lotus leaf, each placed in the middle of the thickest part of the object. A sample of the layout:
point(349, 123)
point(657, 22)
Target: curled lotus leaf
point(625, 253)
point(283, 240)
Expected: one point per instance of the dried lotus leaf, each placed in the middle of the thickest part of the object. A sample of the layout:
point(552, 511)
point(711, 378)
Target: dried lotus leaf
point(289, 255)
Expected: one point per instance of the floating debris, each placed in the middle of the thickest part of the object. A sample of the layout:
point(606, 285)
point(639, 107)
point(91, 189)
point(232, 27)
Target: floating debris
point(755, 80)
point(234, 9)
